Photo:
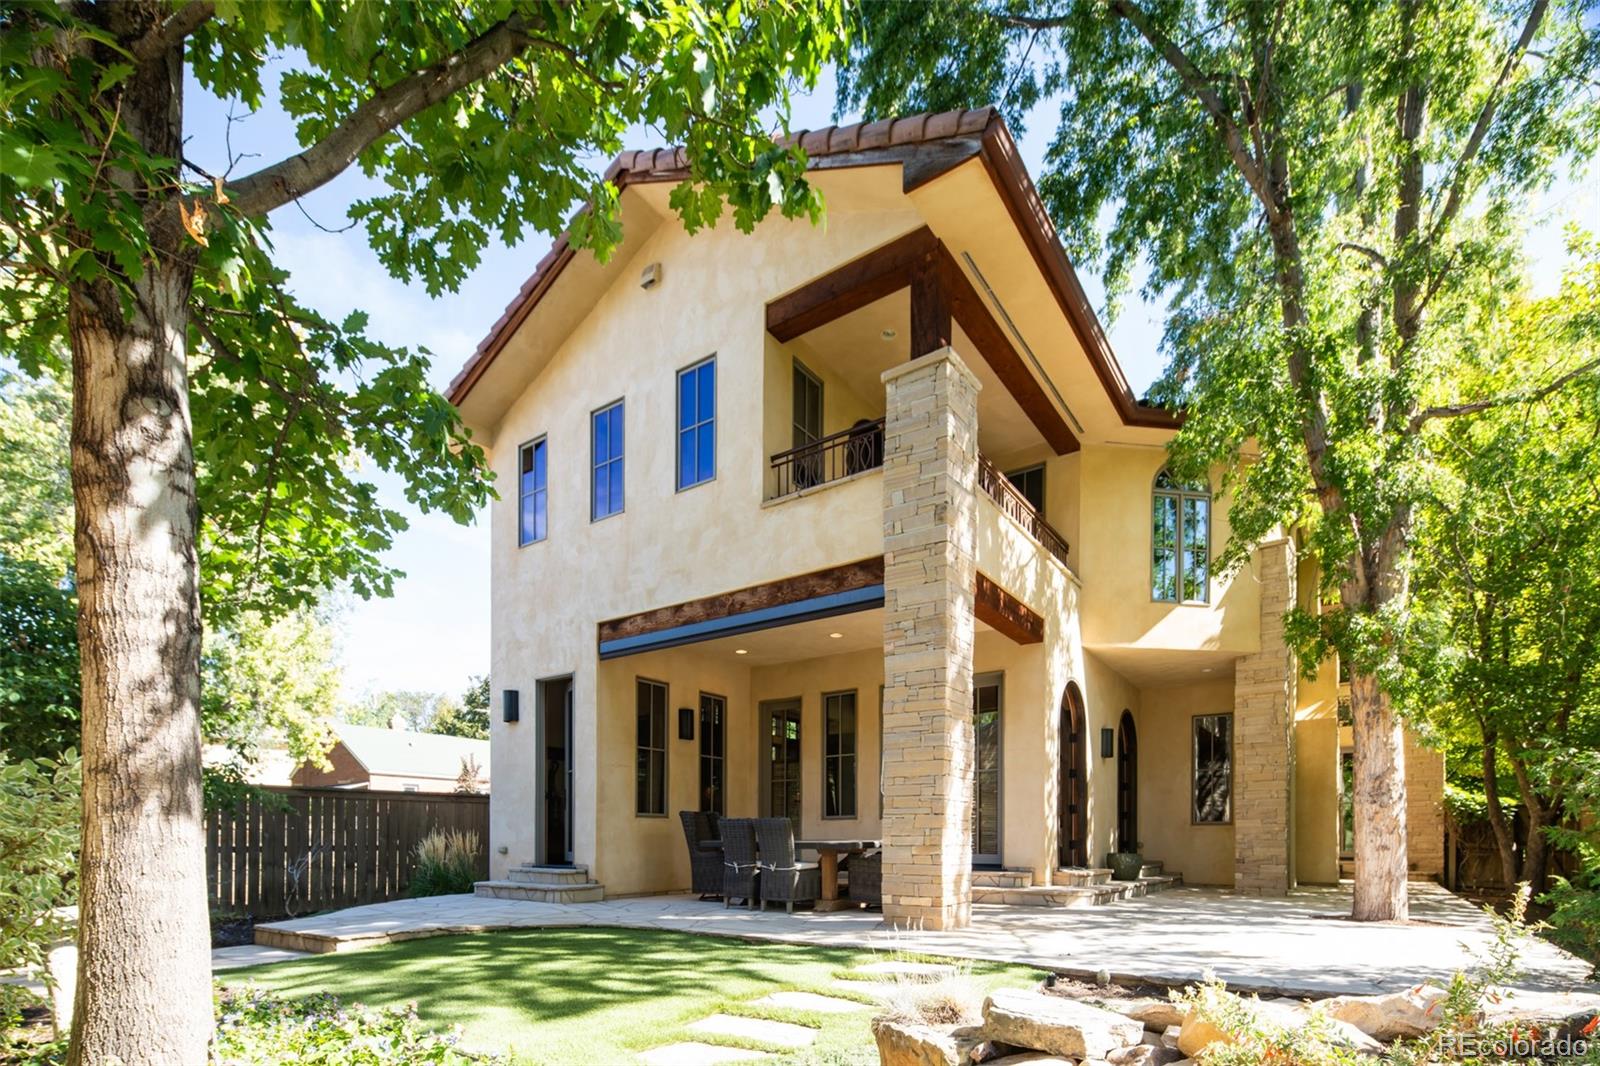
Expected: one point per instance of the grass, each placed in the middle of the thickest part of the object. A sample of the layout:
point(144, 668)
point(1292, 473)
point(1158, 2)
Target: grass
point(598, 995)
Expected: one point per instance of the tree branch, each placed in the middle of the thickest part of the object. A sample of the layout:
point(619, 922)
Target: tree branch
point(1480, 129)
point(1195, 79)
point(290, 178)
point(1455, 410)
point(172, 30)
point(1371, 253)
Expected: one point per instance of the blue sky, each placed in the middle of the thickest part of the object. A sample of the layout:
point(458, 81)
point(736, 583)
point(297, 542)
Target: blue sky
point(434, 633)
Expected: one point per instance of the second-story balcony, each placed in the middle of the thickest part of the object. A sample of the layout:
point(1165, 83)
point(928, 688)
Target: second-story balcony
point(831, 458)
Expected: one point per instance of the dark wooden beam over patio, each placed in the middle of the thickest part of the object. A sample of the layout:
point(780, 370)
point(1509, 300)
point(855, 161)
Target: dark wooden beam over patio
point(1004, 613)
point(940, 293)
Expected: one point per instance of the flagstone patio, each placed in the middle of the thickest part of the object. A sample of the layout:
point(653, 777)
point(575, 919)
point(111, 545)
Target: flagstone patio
point(1302, 945)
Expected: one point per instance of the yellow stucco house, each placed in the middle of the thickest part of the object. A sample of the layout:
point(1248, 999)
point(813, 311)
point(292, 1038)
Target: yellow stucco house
point(861, 524)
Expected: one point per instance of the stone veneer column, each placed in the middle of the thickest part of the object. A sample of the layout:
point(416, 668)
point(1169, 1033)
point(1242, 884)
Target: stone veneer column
point(1263, 732)
point(1424, 807)
point(930, 478)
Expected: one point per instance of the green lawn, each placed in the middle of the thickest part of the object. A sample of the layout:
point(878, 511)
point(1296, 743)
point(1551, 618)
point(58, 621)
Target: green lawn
point(561, 996)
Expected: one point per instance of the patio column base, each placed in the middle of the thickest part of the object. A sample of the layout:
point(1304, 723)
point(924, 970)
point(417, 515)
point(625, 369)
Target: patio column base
point(930, 475)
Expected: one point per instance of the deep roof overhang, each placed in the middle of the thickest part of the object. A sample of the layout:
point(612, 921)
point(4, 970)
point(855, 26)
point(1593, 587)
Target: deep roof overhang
point(926, 147)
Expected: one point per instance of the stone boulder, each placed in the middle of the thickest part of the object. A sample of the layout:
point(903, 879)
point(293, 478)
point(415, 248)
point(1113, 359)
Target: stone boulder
point(1197, 1033)
point(1155, 1014)
point(1411, 1013)
point(907, 1044)
point(1555, 1012)
point(1057, 1025)
point(1033, 1058)
point(1144, 1055)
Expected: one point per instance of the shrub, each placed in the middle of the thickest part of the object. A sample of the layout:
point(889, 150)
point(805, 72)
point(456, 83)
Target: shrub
point(941, 998)
point(38, 858)
point(447, 863)
point(256, 1029)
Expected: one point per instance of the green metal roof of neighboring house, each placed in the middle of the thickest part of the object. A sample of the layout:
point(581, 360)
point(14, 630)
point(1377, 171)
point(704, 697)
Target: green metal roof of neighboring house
point(401, 753)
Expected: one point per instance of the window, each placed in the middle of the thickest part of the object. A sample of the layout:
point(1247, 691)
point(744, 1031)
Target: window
point(651, 768)
point(697, 423)
point(606, 495)
point(532, 493)
point(807, 406)
point(1181, 541)
point(839, 756)
point(1030, 482)
point(713, 740)
point(1213, 769)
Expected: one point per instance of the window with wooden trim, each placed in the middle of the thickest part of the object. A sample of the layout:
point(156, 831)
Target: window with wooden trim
point(697, 423)
point(1180, 541)
point(533, 495)
point(1212, 770)
point(839, 755)
point(606, 483)
point(650, 795)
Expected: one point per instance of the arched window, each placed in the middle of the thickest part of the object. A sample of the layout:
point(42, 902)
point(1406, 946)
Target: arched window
point(1180, 525)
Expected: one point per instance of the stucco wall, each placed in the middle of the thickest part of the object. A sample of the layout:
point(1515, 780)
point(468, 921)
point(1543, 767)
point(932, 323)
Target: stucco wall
point(1316, 806)
point(1202, 853)
point(668, 546)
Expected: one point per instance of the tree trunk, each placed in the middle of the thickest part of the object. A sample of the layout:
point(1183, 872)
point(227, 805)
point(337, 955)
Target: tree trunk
point(1536, 864)
point(1503, 841)
point(144, 974)
point(1381, 890)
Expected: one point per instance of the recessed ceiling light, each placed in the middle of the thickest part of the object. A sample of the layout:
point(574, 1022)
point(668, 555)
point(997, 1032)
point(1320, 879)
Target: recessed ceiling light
point(740, 651)
point(889, 334)
point(835, 636)
point(1205, 669)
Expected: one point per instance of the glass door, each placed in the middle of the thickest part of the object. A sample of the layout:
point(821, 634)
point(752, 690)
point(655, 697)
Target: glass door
point(781, 763)
point(986, 770)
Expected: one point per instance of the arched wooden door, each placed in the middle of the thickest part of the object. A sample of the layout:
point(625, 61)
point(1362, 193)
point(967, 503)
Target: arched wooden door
point(1072, 845)
point(1127, 784)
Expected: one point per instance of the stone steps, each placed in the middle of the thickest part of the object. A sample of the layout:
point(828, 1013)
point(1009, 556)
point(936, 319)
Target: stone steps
point(544, 884)
point(1082, 875)
point(1094, 894)
point(530, 874)
point(1002, 878)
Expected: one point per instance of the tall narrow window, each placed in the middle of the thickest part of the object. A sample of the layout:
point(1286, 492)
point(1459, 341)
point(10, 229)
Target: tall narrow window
point(697, 423)
point(1180, 540)
point(532, 493)
point(808, 465)
point(713, 739)
point(606, 494)
point(651, 763)
point(839, 756)
point(1213, 769)
point(1030, 482)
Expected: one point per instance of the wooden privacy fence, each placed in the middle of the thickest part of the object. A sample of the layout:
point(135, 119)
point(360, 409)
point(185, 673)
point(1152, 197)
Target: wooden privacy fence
point(299, 850)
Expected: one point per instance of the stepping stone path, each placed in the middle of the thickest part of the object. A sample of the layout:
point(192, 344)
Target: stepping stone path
point(783, 1034)
point(693, 1053)
point(809, 1001)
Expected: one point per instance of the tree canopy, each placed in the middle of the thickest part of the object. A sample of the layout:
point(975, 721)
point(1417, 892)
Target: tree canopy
point(1327, 194)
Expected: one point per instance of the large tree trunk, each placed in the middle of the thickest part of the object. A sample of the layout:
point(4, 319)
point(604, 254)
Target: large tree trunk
point(1504, 842)
point(1536, 864)
point(1381, 890)
point(144, 974)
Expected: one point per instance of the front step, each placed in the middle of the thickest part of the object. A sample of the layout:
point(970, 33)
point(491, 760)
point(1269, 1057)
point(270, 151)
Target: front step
point(1083, 875)
point(1095, 893)
point(1002, 878)
point(544, 884)
point(530, 874)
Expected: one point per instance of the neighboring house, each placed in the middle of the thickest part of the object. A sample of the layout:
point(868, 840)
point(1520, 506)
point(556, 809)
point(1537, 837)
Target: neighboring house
point(395, 760)
point(272, 766)
point(861, 524)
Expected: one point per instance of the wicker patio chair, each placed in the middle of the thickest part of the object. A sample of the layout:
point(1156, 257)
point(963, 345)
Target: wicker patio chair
point(740, 875)
point(784, 879)
point(866, 879)
point(705, 863)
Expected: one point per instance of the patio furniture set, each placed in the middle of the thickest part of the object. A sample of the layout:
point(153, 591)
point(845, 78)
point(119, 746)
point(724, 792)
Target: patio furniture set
point(756, 860)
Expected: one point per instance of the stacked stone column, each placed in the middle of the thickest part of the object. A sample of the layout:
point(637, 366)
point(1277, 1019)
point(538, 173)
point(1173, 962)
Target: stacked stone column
point(930, 480)
point(1263, 738)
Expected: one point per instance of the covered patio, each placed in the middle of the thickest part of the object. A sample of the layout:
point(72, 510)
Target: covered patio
point(1301, 945)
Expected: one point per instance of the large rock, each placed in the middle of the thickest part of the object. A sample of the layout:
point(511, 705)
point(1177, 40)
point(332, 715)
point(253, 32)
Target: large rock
point(905, 1044)
point(1057, 1025)
point(1414, 1012)
point(1556, 1012)
point(1155, 1014)
point(1033, 1058)
point(1198, 1033)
